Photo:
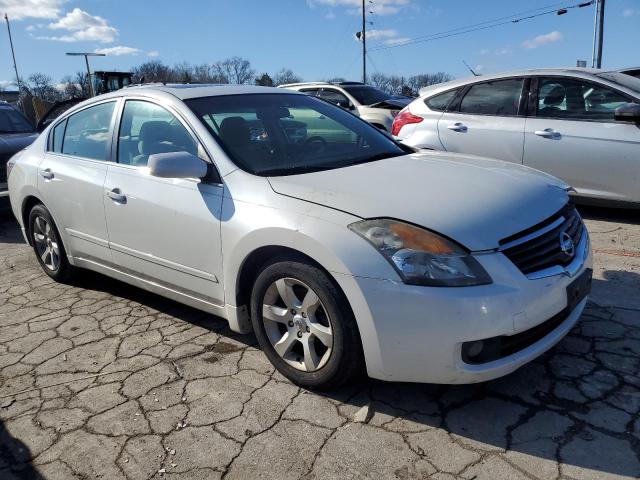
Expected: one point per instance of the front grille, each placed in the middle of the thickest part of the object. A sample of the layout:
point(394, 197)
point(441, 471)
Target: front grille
point(540, 247)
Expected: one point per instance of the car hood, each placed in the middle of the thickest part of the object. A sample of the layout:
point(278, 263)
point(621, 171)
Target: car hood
point(473, 200)
point(11, 143)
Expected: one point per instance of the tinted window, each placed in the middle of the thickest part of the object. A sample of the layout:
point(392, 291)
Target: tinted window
point(284, 134)
point(335, 97)
point(146, 129)
point(58, 134)
point(12, 121)
point(501, 97)
point(310, 91)
point(366, 95)
point(577, 100)
point(440, 102)
point(88, 132)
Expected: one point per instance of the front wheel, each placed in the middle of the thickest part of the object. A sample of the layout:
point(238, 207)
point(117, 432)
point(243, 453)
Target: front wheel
point(304, 325)
point(47, 244)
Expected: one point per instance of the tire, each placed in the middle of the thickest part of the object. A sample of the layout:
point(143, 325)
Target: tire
point(47, 245)
point(330, 366)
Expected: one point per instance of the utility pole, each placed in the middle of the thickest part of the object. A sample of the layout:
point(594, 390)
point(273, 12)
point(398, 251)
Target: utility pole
point(598, 35)
point(364, 43)
point(86, 56)
point(13, 55)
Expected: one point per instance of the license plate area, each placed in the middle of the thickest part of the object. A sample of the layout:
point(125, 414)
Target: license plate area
point(579, 289)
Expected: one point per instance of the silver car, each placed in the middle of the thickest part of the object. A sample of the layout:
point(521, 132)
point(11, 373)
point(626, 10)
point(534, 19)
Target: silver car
point(581, 125)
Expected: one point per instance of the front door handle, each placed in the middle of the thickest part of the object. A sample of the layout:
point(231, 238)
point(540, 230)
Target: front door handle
point(547, 133)
point(47, 174)
point(117, 196)
point(457, 127)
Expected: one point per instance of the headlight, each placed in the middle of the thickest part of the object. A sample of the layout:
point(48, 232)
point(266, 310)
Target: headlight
point(422, 257)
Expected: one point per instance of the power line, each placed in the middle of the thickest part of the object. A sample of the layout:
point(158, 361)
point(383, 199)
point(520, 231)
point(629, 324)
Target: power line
point(480, 26)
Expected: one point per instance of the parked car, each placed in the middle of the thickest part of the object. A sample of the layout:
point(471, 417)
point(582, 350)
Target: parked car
point(337, 246)
point(580, 125)
point(634, 72)
point(369, 103)
point(16, 132)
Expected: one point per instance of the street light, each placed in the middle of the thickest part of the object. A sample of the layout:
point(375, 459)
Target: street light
point(86, 56)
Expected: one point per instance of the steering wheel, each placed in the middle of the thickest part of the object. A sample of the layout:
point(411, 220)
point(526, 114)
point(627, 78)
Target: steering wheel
point(317, 141)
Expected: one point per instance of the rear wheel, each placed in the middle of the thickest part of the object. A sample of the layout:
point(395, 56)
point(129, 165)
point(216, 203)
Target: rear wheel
point(47, 244)
point(304, 325)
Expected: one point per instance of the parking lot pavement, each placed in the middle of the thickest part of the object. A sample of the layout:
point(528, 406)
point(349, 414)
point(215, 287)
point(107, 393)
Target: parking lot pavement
point(102, 380)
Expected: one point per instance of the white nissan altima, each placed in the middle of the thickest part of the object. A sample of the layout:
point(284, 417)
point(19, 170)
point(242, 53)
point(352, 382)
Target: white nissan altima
point(288, 216)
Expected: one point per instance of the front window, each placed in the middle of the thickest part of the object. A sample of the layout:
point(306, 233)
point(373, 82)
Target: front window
point(575, 99)
point(12, 121)
point(366, 95)
point(285, 134)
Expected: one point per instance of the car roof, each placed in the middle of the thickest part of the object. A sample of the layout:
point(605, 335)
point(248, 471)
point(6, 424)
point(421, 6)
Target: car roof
point(193, 90)
point(575, 71)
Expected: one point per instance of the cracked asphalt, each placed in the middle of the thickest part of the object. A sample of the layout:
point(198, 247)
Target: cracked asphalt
point(102, 380)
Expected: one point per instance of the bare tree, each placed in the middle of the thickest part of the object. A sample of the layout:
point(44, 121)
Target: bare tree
point(152, 71)
point(75, 87)
point(182, 72)
point(235, 69)
point(206, 73)
point(284, 76)
point(40, 86)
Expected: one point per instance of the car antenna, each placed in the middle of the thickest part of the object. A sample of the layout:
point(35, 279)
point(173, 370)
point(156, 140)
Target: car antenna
point(470, 69)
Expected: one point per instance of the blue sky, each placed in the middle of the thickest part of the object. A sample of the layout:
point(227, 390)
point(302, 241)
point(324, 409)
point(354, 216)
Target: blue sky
point(315, 38)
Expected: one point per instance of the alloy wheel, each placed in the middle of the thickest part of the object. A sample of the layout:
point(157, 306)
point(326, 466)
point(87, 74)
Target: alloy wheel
point(297, 324)
point(46, 243)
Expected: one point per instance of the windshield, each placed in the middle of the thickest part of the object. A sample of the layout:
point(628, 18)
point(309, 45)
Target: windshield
point(285, 134)
point(367, 95)
point(12, 121)
point(622, 79)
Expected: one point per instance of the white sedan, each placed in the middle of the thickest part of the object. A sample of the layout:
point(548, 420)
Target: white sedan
point(581, 125)
point(339, 248)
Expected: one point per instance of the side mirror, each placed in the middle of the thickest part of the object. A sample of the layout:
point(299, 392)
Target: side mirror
point(628, 112)
point(177, 165)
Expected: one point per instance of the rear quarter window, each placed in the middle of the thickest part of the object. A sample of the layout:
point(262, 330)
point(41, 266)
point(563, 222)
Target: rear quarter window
point(440, 102)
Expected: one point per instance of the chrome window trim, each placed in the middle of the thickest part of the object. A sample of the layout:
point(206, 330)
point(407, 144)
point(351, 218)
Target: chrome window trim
point(582, 252)
point(559, 221)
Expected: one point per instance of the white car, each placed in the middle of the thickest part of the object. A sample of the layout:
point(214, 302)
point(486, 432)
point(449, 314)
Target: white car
point(338, 254)
point(369, 103)
point(581, 125)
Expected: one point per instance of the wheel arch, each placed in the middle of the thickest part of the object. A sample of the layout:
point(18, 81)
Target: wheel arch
point(28, 203)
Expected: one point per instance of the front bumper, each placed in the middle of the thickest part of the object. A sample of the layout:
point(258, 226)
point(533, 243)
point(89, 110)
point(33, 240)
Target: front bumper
point(415, 334)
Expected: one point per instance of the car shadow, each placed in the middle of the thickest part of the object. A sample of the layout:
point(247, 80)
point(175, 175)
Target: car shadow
point(9, 230)
point(608, 214)
point(554, 408)
point(15, 458)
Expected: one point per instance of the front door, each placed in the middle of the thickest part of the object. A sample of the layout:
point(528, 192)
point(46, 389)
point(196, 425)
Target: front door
point(487, 121)
point(163, 230)
point(575, 137)
point(71, 179)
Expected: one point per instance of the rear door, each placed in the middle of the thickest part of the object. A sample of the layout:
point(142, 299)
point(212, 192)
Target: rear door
point(487, 120)
point(71, 179)
point(574, 136)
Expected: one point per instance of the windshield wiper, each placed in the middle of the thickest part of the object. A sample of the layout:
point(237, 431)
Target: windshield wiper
point(297, 169)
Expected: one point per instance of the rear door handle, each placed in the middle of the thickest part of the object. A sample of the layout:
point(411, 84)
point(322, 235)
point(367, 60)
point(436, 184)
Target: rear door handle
point(117, 196)
point(47, 174)
point(547, 133)
point(457, 127)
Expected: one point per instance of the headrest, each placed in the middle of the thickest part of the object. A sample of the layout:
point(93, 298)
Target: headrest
point(234, 131)
point(555, 97)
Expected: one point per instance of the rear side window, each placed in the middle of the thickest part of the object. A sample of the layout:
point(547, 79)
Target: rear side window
point(310, 91)
point(88, 132)
point(58, 136)
point(501, 98)
point(440, 102)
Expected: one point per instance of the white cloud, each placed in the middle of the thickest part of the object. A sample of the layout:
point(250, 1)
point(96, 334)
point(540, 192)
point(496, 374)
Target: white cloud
point(630, 12)
point(153, 53)
point(330, 15)
point(379, 7)
point(82, 27)
point(7, 85)
point(541, 40)
point(379, 34)
point(478, 68)
point(19, 9)
point(30, 28)
point(119, 50)
point(396, 41)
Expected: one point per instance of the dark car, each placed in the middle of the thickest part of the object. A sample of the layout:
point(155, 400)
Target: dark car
point(16, 132)
point(634, 72)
